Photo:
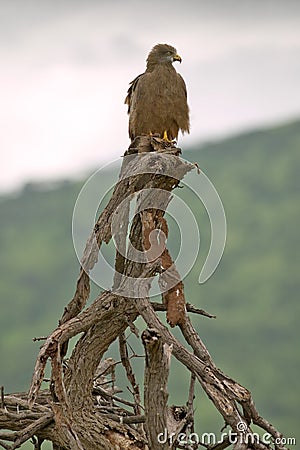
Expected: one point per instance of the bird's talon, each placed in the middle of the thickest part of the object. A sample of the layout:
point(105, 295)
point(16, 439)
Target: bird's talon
point(165, 138)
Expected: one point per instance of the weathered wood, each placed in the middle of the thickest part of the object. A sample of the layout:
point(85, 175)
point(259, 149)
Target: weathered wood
point(77, 414)
point(157, 367)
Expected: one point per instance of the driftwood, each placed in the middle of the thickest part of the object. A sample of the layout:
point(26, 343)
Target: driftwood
point(83, 408)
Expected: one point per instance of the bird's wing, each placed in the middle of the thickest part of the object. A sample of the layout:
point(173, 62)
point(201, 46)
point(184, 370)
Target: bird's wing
point(131, 89)
point(182, 106)
point(182, 84)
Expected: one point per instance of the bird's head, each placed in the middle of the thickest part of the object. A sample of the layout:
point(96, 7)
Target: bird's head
point(162, 54)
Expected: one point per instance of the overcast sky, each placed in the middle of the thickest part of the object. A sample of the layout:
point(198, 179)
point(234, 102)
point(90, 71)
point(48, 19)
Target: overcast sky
point(65, 66)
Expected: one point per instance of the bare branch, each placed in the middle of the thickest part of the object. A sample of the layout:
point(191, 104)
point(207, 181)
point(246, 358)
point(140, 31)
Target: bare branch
point(155, 386)
point(2, 397)
point(130, 420)
point(28, 432)
point(129, 372)
point(189, 307)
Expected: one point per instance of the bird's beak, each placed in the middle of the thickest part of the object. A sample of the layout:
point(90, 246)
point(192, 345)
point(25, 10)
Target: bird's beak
point(177, 58)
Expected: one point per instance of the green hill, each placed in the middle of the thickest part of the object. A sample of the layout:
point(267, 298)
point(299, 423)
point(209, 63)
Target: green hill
point(254, 292)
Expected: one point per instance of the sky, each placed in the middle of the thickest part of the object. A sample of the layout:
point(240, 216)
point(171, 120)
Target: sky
point(65, 67)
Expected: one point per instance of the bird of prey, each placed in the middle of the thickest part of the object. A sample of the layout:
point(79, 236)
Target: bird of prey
point(157, 99)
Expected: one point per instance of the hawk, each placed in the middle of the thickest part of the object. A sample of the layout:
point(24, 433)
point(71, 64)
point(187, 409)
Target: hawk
point(157, 99)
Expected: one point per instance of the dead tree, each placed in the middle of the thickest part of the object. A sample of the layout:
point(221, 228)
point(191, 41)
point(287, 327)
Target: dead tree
point(81, 409)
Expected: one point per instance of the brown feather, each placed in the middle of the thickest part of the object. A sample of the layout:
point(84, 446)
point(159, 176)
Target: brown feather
point(157, 99)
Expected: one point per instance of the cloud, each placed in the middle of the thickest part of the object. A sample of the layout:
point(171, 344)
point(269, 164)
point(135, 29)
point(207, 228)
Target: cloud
point(65, 69)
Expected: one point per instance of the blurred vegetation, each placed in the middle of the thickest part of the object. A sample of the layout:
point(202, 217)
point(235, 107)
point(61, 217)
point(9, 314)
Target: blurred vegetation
point(254, 292)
